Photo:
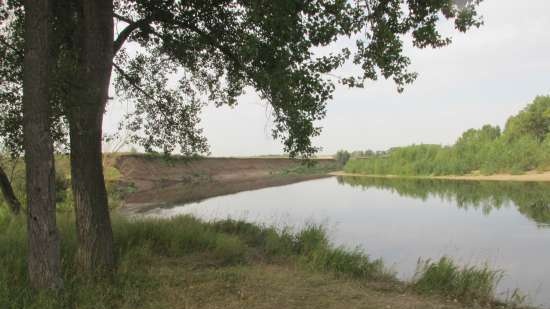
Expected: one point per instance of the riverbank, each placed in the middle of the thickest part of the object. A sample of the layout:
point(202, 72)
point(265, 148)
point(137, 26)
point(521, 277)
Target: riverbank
point(157, 181)
point(532, 176)
point(186, 263)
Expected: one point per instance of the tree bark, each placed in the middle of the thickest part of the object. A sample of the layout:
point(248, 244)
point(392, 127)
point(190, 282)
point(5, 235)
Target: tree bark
point(7, 192)
point(95, 52)
point(43, 240)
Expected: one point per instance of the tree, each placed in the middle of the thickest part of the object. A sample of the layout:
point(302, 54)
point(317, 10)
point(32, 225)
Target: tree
point(342, 157)
point(44, 252)
point(214, 50)
point(91, 65)
point(533, 120)
point(11, 92)
point(8, 194)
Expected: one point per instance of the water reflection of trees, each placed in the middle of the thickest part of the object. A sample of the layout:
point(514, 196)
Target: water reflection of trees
point(532, 199)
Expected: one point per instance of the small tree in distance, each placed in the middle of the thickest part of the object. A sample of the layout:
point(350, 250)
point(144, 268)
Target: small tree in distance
point(342, 157)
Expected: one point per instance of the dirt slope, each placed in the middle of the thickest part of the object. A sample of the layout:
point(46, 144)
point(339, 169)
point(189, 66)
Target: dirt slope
point(156, 181)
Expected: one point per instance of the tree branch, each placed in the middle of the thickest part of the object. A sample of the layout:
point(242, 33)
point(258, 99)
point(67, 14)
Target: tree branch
point(213, 42)
point(133, 83)
point(10, 46)
point(7, 192)
point(123, 18)
point(125, 33)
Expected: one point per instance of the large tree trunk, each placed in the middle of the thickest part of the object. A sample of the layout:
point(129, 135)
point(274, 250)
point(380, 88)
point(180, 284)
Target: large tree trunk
point(95, 51)
point(95, 236)
point(43, 239)
point(7, 192)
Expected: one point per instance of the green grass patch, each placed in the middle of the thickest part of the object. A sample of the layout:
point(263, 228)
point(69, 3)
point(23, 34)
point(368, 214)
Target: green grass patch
point(225, 245)
point(469, 284)
point(140, 242)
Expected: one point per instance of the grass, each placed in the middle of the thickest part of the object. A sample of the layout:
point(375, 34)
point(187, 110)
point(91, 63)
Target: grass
point(140, 243)
point(226, 255)
point(16, 172)
point(469, 284)
point(187, 263)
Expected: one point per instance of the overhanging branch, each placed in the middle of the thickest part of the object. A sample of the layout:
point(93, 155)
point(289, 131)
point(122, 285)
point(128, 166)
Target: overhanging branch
point(125, 33)
point(135, 85)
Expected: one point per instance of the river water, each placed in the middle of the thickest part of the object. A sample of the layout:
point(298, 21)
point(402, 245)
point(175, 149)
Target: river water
point(504, 224)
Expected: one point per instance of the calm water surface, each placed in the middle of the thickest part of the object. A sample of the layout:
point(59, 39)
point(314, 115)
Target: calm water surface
point(505, 224)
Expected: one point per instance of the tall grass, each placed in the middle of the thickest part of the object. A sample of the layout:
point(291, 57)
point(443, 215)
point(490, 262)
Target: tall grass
point(316, 252)
point(469, 284)
point(139, 242)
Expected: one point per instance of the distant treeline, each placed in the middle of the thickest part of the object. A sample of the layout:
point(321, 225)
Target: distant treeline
point(523, 145)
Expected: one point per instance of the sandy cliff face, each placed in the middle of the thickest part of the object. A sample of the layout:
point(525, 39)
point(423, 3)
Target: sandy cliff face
point(156, 181)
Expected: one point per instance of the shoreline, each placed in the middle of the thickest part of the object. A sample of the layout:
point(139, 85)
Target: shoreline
point(208, 191)
point(156, 182)
point(527, 177)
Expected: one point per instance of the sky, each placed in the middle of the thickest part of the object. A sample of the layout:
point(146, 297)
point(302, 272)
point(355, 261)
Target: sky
point(483, 77)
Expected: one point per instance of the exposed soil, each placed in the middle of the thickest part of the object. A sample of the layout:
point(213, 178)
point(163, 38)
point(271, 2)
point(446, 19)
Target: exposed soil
point(157, 181)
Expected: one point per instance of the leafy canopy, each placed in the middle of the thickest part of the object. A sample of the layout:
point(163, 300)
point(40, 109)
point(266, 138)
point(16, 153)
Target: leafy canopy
point(173, 57)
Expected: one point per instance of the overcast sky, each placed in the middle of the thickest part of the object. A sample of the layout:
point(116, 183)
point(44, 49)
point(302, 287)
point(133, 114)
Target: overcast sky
point(485, 76)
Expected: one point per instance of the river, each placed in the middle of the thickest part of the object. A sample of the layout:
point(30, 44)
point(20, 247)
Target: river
point(504, 224)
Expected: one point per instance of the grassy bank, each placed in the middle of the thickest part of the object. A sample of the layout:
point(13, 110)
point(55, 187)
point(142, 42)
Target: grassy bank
point(187, 263)
point(523, 145)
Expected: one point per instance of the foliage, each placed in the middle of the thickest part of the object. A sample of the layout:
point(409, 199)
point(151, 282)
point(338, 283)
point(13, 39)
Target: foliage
point(363, 153)
point(11, 85)
point(469, 284)
point(523, 146)
point(16, 170)
point(342, 157)
point(138, 242)
point(174, 57)
point(216, 245)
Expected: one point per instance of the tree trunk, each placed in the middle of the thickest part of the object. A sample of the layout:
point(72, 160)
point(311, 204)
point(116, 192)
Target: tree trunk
point(95, 237)
point(95, 51)
point(43, 239)
point(7, 192)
